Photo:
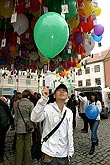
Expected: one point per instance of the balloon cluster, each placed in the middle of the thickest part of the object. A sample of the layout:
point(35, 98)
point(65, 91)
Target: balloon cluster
point(37, 32)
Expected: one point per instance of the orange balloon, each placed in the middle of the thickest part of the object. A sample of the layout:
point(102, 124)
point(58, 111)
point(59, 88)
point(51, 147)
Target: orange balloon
point(75, 61)
point(85, 9)
point(83, 55)
point(12, 48)
point(40, 1)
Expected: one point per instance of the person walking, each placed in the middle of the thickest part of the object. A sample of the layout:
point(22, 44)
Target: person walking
point(72, 103)
point(94, 123)
point(23, 138)
point(58, 149)
point(83, 103)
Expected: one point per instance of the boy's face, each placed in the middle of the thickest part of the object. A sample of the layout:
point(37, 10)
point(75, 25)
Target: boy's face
point(61, 94)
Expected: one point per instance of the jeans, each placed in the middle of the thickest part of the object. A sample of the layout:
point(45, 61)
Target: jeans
point(94, 126)
point(57, 161)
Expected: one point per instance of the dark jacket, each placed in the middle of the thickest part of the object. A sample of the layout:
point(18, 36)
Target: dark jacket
point(72, 103)
point(6, 118)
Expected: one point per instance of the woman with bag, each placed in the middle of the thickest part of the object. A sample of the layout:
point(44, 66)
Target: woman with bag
point(22, 124)
point(57, 145)
point(94, 123)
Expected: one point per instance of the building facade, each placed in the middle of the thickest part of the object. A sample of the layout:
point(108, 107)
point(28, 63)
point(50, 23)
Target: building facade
point(95, 71)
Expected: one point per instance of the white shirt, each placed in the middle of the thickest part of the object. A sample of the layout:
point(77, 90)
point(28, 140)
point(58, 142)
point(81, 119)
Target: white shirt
point(83, 103)
point(60, 144)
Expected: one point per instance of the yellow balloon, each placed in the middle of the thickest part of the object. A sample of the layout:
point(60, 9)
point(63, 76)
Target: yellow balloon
point(78, 65)
point(74, 22)
point(68, 71)
point(44, 61)
point(86, 35)
point(6, 8)
point(57, 75)
point(39, 70)
point(97, 11)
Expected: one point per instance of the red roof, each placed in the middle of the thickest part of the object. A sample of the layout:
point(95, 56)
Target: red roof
point(99, 56)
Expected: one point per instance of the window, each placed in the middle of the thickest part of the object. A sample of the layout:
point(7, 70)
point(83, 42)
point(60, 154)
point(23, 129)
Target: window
point(98, 81)
point(10, 81)
point(80, 83)
point(97, 68)
point(87, 70)
point(43, 82)
point(80, 72)
point(28, 81)
point(88, 82)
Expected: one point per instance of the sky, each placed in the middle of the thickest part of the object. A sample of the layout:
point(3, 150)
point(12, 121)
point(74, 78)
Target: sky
point(104, 19)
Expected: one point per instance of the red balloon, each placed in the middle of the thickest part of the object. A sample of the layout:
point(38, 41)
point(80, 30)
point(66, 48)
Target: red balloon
point(34, 5)
point(62, 74)
point(27, 36)
point(21, 6)
point(12, 36)
point(79, 48)
point(87, 25)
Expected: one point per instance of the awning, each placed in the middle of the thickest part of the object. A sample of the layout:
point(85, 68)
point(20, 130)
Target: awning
point(87, 89)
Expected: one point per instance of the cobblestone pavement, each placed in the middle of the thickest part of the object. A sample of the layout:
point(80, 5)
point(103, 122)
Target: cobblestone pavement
point(82, 146)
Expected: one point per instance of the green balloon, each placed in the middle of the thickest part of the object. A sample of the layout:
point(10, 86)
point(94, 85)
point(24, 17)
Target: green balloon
point(72, 7)
point(46, 1)
point(65, 56)
point(54, 6)
point(73, 54)
point(51, 34)
point(60, 70)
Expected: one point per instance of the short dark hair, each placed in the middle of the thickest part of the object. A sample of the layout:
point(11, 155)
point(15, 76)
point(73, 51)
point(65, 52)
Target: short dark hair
point(73, 95)
point(26, 93)
point(82, 94)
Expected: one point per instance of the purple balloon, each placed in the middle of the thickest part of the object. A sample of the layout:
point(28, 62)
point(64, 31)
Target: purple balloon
point(98, 30)
point(78, 37)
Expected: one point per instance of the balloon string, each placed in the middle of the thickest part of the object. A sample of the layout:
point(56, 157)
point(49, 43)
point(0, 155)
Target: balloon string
point(5, 29)
point(40, 12)
point(48, 64)
point(16, 1)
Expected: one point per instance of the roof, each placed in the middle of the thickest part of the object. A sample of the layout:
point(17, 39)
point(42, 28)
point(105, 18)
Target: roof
point(88, 89)
point(98, 57)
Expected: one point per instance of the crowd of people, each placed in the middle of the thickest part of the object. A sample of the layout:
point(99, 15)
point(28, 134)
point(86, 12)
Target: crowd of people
point(56, 113)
